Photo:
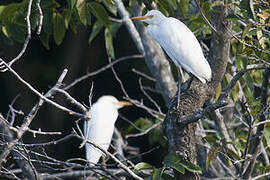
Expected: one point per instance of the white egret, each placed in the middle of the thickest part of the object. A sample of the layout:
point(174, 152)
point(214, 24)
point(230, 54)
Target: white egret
point(100, 127)
point(179, 43)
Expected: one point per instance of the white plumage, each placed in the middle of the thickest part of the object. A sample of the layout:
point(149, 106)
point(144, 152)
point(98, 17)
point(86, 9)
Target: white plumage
point(179, 43)
point(100, 127)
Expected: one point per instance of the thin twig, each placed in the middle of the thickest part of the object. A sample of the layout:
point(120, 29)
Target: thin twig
point(149, 97)
point(40, 17)
point(119, 80)
point(44, 98)
point(34, 132)
point(145, 131)
point(144, 75)
point(259, 133)
point(120, 164)
point(27, 38)
point(205, 19)
point(89, 74)
point(24, 127)
point(71, 99)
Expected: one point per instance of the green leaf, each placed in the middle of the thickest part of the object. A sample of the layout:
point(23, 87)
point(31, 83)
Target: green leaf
point(71, 4)
point(183, 6)
point(49, 4)
point(44, 38)
point(67, 15)
point(212, 156)
point(266, 134)
point(211, 138)
point(233, 154)
point(114, 28)
point(141, 166)
point(217, 3)
point(157, 174)
point(100, 13)
point(1, 9)
point(191, 166)
point(95, 30)
point(110, 6)
point(47, 22)
point(260, 37)
point(164, 7)
point(84, 13)
point(7, 40)
point(249, 81)
point(9, 13)
point(232, 17)
point(248, 6)
point(173, 161)
point(109, 43)
point(58, 28)
point(16, 32)
point(156, 136)
point(246, 30)
point(141, 123)
point(218, 91)
point(235, 92)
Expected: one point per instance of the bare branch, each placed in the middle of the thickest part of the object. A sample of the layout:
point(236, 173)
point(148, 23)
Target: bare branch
point(184, 120)
point(258, 138)
point(149, 97)
point(44, 98)
point(261, 176)
point(72, 100)
point(119, 80)
point(89, 74)
point(144, 75)
point(129, 25)
point(120, 164)
point(30, 116)
point(40, 17)
point(34, 132)
point(205, 19)
point(145, 131)
point(28, 170)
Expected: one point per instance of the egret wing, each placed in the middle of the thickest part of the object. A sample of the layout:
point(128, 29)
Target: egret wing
point(100, 131)
point(181, 46)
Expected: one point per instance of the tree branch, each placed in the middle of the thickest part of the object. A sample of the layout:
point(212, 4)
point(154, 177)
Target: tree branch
point(29, 118)
point(43, 98)
point(28, 171)
point(256, 141)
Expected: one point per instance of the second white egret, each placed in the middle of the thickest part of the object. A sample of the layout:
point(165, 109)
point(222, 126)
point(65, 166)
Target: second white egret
point(179, 43)
point(103, 115)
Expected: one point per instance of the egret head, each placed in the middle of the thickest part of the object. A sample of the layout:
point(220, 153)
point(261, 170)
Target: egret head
point(151, 17)
point(112, 102)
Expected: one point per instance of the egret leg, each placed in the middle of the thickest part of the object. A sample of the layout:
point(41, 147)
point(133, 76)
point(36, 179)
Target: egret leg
point(187, 85)
point(103, 161)
point(180, 80)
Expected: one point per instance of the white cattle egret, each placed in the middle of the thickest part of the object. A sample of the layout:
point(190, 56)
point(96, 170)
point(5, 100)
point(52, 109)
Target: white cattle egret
point(179, 43)
point(100, 127)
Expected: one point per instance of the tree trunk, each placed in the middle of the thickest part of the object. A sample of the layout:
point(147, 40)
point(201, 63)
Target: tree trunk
point(182, 139)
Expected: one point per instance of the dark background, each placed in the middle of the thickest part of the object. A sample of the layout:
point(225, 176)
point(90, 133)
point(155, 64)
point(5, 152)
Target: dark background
point(41, 68)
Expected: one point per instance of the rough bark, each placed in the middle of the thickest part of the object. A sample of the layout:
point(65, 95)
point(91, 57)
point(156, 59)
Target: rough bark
point(182, 139)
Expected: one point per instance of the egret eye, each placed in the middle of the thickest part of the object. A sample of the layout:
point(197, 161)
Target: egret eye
point(150, 17)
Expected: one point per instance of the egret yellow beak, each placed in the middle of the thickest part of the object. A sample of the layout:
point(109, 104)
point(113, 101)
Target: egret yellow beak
point(124, 103)
point(142, 17)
